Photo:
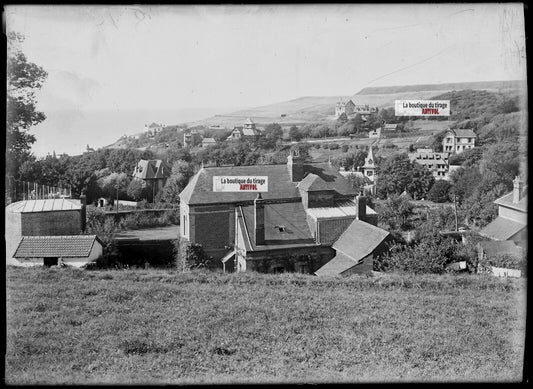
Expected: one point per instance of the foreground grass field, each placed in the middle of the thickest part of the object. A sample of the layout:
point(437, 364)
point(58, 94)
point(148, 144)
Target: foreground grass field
point(67, 326)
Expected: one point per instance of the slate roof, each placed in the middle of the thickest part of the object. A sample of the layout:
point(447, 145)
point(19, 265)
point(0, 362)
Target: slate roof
point(209, 140)
point(151, 169)
point(69, 246)
point(312, 182)
point(200, 187)
point(290, 215)
point(464, 133)
point(249, 121)
point(337, 265)
point(390, 126)
point(46, 205)
point(359, 240)
point(154, 125)
point(495, 248)
point(502, 229)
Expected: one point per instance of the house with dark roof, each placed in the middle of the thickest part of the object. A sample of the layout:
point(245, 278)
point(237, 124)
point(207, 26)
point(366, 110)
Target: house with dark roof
point(153, 173)
point(291, 227)
point(249, 131)
point(390, 127)
point(459, 140)
point(511, 222)
point(72, 250)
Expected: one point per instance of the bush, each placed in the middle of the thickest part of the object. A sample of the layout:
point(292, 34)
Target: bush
point(439, 192)
point(333, 146)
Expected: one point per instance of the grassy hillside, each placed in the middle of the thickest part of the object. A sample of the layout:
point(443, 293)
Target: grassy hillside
point(297, 111)
point(67, 326)
point(483, 85)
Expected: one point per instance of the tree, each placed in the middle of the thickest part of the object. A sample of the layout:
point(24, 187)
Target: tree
point(439, 192)
point(294, 134)
point(397, 173)
point(137, 191)
point(23, 80)
point(178, 180)
point(395, 211)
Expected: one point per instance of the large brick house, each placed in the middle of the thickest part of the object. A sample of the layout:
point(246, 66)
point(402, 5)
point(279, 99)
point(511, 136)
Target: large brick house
point(292, 227)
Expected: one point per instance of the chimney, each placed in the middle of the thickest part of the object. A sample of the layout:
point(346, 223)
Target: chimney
point(259, 220)
point(360, 207)
point(295, 166)
point(83, 214)
point(518, 187)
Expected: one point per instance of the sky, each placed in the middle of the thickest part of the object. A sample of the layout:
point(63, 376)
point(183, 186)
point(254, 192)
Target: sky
point(121, 58)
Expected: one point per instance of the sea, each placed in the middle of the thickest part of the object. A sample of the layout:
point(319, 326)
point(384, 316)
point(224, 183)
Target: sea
point(70, 131)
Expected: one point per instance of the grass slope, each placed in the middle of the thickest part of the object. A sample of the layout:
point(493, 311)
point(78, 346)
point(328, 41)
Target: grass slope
point(145, 326)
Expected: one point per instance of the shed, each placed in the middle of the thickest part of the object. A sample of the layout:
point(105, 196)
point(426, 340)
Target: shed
point(73, 250)
point(42, 217)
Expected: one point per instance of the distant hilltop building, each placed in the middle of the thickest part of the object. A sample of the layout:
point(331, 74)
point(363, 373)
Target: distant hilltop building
point(351, 109)
point(436, 163)
point(309, 221)
point(345, 107)
point(248, 131)
point(153, 129)
point(459, 140)
point(90, 149)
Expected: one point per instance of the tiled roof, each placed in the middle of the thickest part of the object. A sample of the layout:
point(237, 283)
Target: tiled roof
point(151, 169)
point(502, 229)
point(359, 240)
point(338, 265)
point(46, 205)
point(209, 140)
point(68, 246)
point(291, 216)
point(341, 210)
point(200, 187)
point(390, 126)
point(250, 132)
point(495, 248)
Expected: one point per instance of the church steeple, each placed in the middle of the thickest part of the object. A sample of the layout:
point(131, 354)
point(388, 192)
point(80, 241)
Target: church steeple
point(369, 168)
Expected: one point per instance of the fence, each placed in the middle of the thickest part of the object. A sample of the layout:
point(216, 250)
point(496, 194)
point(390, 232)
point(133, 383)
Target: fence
point(17, 190)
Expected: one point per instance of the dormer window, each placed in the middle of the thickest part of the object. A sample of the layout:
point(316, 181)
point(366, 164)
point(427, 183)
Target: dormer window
point(280, 228)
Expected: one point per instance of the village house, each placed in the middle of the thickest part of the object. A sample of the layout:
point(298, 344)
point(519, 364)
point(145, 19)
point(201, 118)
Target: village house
point(459, 140)
point(153, 173)
point(208, 142)
point(511, 222)
point(345, 107)
point(292, 227)
point(249, 131)
point(437, 163)
point(191, 138)
point(153, 129)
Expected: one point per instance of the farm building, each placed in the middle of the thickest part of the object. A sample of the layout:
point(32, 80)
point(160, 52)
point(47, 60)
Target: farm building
point(71, 250)
point(292, 227)
point(43, 217)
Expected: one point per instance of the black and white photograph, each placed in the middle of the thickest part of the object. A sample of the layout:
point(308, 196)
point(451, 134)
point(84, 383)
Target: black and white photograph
point(266, 194)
